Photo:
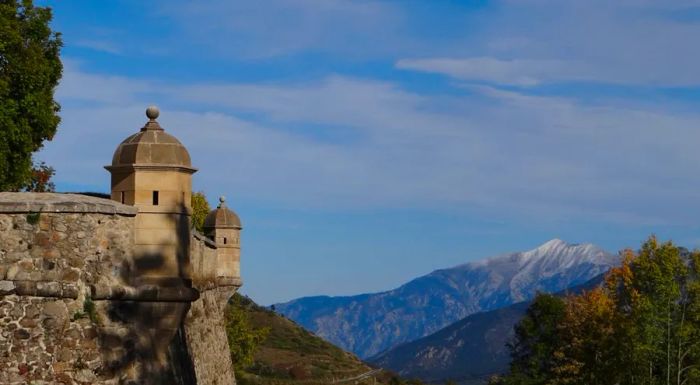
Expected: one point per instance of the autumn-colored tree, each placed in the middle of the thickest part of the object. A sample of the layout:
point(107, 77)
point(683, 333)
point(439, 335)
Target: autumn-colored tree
point(641, 328)
point(619, 284)
point(40, 180)
point(200, 209)
point(587, 349)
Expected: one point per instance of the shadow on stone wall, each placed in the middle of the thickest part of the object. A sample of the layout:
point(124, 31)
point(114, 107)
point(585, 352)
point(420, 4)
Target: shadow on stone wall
point(142, 338)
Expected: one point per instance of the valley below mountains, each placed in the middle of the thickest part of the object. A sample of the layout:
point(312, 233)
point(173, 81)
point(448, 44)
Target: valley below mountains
point(369, 324)
point(469, 350)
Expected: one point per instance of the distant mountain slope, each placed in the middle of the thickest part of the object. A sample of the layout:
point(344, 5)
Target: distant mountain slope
point(470, 349)
point(370, 323)
point(291, 355)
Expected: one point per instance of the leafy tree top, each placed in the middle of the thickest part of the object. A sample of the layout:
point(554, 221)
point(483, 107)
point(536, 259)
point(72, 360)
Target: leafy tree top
point(200, 209)
point(30, 69)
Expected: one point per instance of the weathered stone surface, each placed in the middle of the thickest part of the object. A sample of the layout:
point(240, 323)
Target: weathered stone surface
point(205, 333)
point(11, 202)
point(93, 247)
point(73, 311)
point(55, 309)
point(12, 271)
point(7, 287)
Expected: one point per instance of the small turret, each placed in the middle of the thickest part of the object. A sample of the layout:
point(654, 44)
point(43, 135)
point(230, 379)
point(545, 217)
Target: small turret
point(224, 228)
point(152, 170)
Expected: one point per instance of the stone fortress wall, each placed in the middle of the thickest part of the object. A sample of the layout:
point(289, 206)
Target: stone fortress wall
point(68, 313)
point(120, 290)
point(204, 326)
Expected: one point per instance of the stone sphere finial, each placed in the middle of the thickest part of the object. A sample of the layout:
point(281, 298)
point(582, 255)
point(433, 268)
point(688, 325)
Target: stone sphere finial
point(152, 112)
point(222, 200)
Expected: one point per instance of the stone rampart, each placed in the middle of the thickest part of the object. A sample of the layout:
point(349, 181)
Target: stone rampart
point(205, 334)
point(205, 329)
point(73, 311)
point(69, 310)
point(53, 249)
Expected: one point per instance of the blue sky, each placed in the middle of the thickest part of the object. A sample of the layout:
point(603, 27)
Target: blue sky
point(365, 143)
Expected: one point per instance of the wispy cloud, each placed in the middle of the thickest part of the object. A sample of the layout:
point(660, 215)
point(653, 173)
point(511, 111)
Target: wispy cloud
point(527, 43)
point(516, 72)
point(80, 86)
point(494, 149)
point(99, 45)
point(281, 27)
point(554, 117)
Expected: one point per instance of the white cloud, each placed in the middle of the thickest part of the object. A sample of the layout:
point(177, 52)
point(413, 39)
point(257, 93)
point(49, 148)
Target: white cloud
point(488, 69)
point(491, 149)
point(522, 43)
point(526, 43)
point(99, 45)
point(77, 85)
point(338, 139)
point(255, 29)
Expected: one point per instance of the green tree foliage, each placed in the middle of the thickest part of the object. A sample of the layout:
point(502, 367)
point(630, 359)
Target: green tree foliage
point(655, 300)
point(200, 209)
point(688, 353)
point(243, 337)
point(537, 340)
point(30, 69)
point(641, 328)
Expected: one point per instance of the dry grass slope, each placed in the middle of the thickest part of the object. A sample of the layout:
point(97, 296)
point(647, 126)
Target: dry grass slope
point(292, 355)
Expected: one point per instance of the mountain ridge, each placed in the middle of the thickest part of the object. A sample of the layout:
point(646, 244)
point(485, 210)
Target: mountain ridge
point(367, 324)
point(471, 349)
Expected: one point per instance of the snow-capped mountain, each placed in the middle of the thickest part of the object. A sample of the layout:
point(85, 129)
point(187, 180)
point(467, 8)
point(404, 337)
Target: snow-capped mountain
point(370, 323)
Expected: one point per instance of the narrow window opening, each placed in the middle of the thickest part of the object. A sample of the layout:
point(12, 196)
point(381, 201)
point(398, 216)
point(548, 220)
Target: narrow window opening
point(122, 197)
point(155, 198)
point(224, 240)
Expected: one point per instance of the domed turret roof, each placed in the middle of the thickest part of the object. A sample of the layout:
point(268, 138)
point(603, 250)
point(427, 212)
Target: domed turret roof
point(222, 218)
point(152, 146)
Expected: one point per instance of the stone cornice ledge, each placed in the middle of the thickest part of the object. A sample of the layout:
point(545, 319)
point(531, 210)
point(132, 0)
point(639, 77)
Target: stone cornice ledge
point(14, 202)
point(147, 293)
point(49, 289)
point(144, 293)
